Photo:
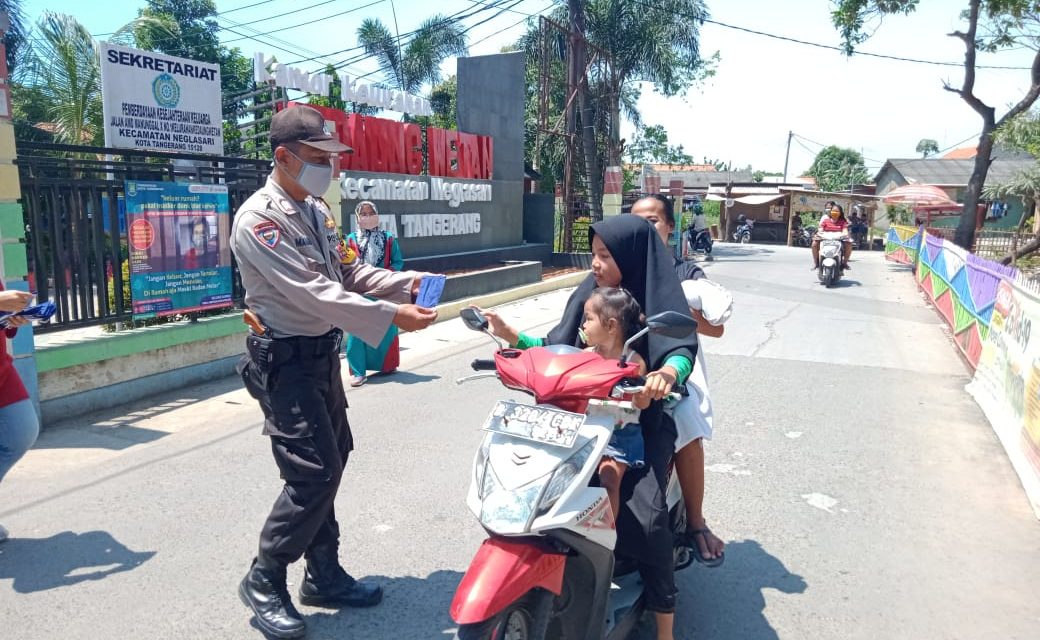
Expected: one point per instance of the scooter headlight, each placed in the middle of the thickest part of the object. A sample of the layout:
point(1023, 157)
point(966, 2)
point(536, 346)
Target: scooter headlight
point(564, 476)
point(505, 511)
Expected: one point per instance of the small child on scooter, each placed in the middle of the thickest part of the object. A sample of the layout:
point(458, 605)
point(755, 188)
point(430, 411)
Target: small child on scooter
point(612, 316)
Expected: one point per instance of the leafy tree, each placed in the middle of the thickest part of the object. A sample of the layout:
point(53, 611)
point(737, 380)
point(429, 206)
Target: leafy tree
point(835, 168)
point(760, 176)
point(197, 39)
point(60, 73)
point(410, 66)
point(16, 33)
point(651, 145)
point(1021, 133)
point(443, 102)
point(720, 165)
point(992, 25)
point(927, 147)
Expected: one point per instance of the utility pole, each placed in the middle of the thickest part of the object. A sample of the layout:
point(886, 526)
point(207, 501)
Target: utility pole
point(787, 156)
point(579, 89)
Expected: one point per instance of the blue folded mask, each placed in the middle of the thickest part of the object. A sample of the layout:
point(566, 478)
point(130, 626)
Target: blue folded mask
point(42, 311)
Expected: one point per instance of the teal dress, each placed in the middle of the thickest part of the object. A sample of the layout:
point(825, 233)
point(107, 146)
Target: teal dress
point(380, 249)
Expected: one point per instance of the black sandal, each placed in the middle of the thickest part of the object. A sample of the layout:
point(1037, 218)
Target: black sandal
point(691, 538)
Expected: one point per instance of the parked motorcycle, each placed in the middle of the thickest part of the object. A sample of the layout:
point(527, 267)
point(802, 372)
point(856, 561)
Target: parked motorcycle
point(803, 236)
point(743, 232)
point(548, 568)
point(831, 257)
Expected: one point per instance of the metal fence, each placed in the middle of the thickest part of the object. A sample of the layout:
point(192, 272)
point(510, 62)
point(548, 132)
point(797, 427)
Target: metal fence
point(75, 217)
point(996, 245)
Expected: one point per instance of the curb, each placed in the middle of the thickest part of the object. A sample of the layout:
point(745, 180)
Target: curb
point(450, 310)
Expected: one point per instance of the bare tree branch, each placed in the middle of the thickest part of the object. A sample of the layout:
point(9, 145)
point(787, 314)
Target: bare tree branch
point(967, 91)
point(1034, 92)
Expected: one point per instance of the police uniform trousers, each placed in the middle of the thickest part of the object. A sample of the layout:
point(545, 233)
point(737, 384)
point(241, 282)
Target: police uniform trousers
point(305, 411)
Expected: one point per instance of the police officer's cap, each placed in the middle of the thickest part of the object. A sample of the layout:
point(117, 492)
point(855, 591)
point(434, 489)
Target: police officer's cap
point(306, 126)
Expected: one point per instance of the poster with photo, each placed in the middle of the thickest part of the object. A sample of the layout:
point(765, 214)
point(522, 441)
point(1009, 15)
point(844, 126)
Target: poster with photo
point(180, 260)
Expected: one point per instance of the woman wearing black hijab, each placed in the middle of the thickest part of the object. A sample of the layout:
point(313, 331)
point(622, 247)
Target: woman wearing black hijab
point(627, 253)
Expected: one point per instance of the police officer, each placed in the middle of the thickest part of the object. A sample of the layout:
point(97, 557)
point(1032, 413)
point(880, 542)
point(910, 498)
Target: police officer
point(304, 286)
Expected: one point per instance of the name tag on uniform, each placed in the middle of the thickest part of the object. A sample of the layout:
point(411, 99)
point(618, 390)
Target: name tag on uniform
point(303, 241)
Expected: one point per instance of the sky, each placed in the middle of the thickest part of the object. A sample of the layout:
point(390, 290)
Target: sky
point(763, 88)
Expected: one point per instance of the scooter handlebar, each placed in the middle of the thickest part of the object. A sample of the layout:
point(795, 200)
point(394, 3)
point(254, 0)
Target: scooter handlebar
point(635, 385)
point(482, 364)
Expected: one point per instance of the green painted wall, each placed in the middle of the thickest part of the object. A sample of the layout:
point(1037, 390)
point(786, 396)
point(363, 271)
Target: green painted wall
point(128, 343)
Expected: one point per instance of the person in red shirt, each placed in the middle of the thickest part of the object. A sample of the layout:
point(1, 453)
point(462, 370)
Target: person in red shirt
point(833, 221)
point(19, 425)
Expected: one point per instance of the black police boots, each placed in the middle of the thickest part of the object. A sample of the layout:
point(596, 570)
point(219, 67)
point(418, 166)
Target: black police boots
point(264, 591)
point(326, 584)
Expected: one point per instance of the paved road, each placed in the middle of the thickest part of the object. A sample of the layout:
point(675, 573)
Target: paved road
point(862, 493)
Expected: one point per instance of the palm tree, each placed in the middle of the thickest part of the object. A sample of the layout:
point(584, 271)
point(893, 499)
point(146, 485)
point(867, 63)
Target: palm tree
point(656, 42)
point(411, 65)
point(16, 32)
point(63, 69)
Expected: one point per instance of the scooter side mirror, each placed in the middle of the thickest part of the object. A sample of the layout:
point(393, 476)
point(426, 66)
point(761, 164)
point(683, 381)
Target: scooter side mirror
point(474, 319)
point(672, 324)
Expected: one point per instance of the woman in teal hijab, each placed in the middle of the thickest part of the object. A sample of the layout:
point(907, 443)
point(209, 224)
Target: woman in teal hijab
point(379, 248)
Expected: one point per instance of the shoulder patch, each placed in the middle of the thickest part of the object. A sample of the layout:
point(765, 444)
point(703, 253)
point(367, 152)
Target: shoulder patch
point(347, 255)
point(268, 233)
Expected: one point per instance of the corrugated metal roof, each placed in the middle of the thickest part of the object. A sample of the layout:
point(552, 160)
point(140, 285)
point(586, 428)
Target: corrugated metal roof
point(701, 179)
point(941, 171)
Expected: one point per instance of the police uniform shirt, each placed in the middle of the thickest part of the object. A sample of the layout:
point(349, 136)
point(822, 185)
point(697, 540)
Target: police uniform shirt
point(300, 276)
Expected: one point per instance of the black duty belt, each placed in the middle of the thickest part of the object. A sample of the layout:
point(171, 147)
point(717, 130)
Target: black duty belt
point(316, 346)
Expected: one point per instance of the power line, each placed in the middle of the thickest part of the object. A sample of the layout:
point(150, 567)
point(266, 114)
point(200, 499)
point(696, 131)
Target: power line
point(218, 14)
point(248, 6)
point(466, 30)
point(826, 46)
point(308, 22)
point(294, 47)
point(454, 18)
point(524, 13)
point(515, 24)
point(286, 13)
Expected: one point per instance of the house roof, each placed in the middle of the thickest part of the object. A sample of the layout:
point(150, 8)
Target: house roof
point(961, 154)
point(701, 179)
point(998, 153)
point(661, 166)
point(956, 172)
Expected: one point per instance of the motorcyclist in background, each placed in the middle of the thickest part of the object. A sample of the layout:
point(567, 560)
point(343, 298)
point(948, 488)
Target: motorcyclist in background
point(833, 221)
point(698, 223)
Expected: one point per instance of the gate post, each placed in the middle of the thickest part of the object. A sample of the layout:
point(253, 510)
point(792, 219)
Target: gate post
point(13, 257)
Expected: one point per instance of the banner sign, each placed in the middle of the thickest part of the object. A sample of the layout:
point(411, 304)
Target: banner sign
point(1007, 382)
point(180, 260)
point(155, 101)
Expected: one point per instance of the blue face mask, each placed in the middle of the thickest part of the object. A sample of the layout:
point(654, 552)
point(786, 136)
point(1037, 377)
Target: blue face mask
point(313, 178)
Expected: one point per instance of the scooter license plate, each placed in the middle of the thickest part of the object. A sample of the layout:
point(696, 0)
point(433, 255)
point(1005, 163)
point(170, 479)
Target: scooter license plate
point(539, 424)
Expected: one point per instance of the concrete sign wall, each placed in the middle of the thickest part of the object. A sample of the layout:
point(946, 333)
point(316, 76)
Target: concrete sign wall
point(436, 216)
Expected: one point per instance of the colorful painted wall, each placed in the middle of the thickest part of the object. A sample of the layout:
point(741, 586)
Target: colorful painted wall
point(962, 286)
point(990, 309)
